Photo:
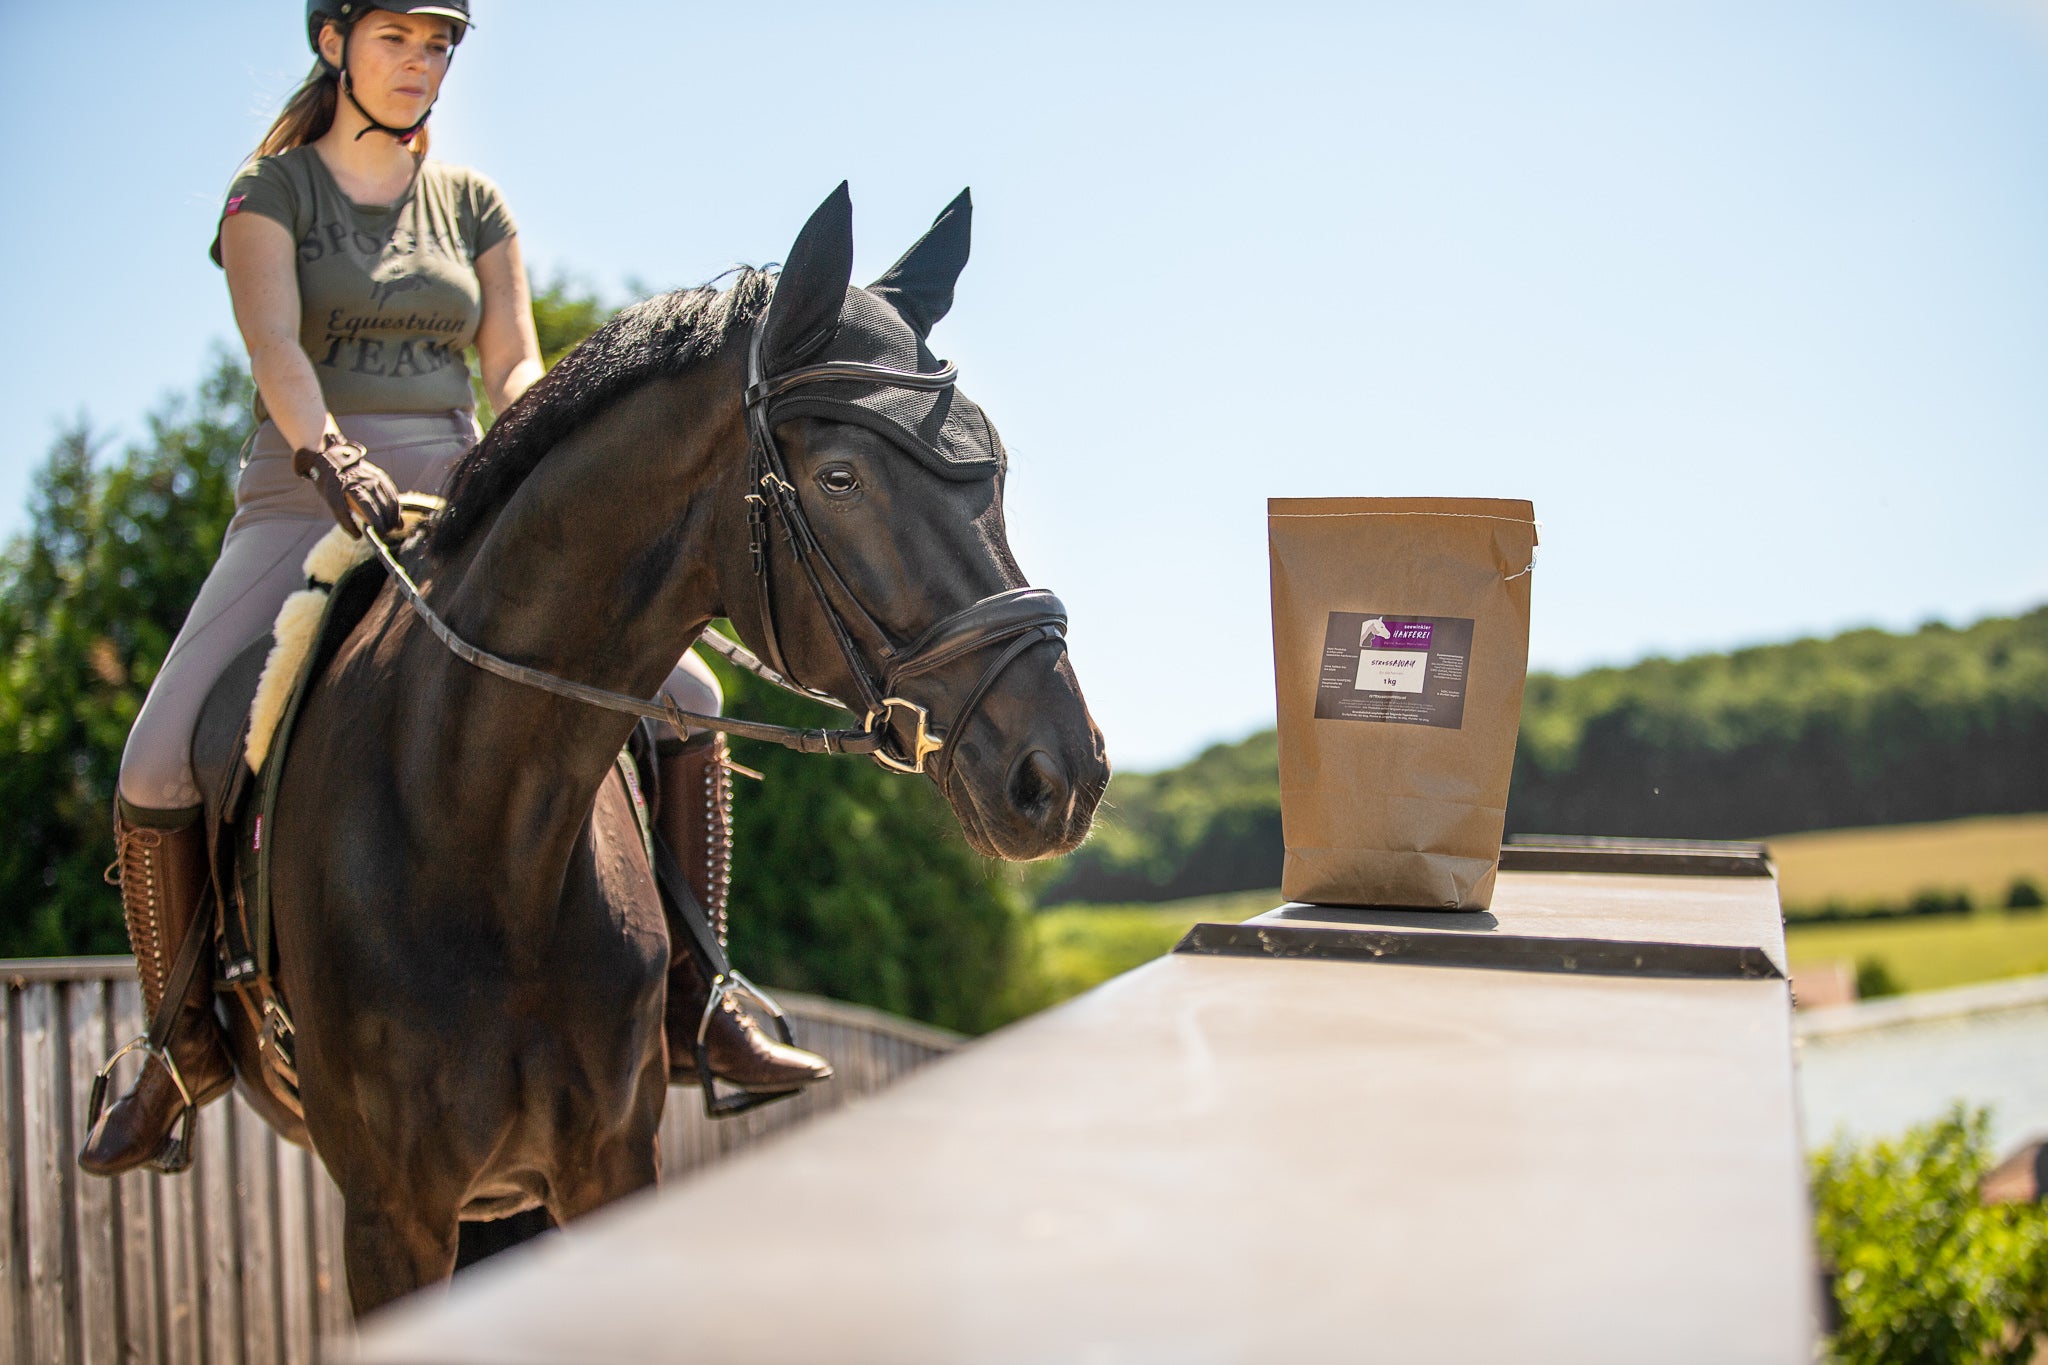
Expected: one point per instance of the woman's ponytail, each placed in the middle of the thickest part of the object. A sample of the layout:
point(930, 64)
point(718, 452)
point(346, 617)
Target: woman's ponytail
point(307, 115)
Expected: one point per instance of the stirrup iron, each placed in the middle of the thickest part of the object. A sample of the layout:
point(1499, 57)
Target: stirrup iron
point(175, 1155)
point(724, 1106)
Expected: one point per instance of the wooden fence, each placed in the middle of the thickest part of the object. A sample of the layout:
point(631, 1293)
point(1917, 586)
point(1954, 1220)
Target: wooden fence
point(239, 1259)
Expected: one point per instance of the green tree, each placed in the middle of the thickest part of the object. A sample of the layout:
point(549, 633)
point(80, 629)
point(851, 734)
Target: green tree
point(1924, 1274)
point(90, 599)
point(1209, 826)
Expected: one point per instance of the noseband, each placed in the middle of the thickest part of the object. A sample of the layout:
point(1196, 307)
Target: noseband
point(895, 730)
point(1016, 619)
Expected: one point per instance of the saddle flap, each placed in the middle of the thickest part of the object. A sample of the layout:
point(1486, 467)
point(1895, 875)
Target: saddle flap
point(222, 730)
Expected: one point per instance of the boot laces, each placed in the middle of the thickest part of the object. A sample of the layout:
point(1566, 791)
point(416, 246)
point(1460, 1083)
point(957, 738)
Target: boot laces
point(137, 871)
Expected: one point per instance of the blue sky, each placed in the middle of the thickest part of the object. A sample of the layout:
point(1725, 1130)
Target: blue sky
point(1750, 298)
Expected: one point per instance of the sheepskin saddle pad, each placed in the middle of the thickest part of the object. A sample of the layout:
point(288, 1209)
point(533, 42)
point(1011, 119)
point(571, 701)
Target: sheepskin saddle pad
point(241, 720)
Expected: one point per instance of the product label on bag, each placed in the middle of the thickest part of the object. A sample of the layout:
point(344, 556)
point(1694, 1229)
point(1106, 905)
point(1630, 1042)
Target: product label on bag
point(1403, 670)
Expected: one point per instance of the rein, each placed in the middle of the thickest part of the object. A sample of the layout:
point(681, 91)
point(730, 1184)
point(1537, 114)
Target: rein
point(1016, 619)
point(861, 741)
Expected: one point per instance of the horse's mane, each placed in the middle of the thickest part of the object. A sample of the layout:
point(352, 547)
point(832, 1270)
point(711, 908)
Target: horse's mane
point(664, 335)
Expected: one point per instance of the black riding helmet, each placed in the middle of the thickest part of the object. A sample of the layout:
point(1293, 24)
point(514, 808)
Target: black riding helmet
point(344, 13)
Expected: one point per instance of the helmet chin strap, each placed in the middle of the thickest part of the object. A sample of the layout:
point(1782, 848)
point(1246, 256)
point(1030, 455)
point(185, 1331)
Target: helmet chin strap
point(348, 87)
point(377, 125)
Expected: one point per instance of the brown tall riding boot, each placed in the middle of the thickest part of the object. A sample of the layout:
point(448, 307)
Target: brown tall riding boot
point(696, 823)
point(162, 859)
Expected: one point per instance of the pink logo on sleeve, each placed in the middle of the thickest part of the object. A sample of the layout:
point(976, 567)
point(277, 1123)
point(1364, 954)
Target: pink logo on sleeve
point(234, 205)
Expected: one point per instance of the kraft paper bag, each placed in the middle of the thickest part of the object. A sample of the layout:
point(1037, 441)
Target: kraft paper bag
point(1400, 647)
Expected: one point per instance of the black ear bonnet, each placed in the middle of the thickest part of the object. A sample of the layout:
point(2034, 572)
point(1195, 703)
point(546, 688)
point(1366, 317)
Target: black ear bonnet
point(942, 430)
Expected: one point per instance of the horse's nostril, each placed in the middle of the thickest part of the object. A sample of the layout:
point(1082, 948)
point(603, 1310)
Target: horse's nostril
point(1038, 786)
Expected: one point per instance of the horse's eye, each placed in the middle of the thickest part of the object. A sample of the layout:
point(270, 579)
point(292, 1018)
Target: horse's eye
point(838, 480)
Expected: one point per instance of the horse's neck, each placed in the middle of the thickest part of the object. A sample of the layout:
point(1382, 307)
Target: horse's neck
point(601, 568)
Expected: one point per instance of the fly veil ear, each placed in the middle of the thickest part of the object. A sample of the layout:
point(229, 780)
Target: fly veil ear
point(920, 286)
point(812, 288)
point(883, 328)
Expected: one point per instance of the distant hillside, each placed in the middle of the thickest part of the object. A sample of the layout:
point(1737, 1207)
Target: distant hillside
point(1865, 728)
point(1208, 826)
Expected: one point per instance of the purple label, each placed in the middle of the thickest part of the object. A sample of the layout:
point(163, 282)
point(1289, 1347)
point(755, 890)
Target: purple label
point(1383, 634)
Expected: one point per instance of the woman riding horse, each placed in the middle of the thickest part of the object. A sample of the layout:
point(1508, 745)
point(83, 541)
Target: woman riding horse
point(360, 272)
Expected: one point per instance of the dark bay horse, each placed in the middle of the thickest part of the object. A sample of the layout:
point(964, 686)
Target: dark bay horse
point(468, 932)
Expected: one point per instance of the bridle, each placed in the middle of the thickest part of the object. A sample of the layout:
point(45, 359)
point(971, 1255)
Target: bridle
point(1015, 620)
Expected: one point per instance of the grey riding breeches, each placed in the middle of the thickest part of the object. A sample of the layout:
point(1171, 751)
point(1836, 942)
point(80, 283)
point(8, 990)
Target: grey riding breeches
point(279, 517)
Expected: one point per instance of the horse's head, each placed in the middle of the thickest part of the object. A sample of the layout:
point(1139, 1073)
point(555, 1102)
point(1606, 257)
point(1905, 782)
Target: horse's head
point(884, 575)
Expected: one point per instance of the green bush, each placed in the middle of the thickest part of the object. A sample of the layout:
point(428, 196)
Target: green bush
point(1924, 1274)
point(1940, 903)
point(1926, 902)
point(2023, 895)
point(1874, 978)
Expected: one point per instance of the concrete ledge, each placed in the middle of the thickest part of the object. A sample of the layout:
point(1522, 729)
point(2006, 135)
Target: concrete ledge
point(1232, 1159)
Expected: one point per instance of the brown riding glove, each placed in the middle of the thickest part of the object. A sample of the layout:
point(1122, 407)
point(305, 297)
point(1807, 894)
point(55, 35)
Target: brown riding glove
point(351, 485)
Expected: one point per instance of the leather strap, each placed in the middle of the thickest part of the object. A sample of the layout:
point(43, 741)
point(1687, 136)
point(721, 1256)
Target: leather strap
point(987, 622)
point(740, 656)
point(761, 390)
point(179, 981)
point(676, 887)
point(803, 741)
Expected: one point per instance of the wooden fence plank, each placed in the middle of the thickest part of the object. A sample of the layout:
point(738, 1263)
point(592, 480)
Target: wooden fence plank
point(142, 1325)
point(45, 1166)
point(184, 1300)
point(96, 1287)
point(256, 1196)
point(333, 1319)
point(221, 1290)
point(294, 1254)
point(13, 1214)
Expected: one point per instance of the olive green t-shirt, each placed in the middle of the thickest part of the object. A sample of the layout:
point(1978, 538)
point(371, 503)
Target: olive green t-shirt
point(388, 296)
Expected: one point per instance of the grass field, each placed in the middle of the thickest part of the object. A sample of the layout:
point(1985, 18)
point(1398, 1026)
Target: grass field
point(1980, 855)
point(1926, 955)
point(1081, 945)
